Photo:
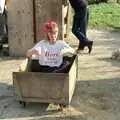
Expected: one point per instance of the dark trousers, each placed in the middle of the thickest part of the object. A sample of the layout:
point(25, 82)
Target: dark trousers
point(4, 26)
point(80, 23)
point(36, 67)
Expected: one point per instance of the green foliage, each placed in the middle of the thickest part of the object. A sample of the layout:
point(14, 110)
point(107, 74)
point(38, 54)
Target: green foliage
point(92, 1)
point(96, 1)
point(105, 16)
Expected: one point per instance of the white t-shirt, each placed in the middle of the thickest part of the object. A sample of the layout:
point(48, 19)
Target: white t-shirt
point(2, 6)
point(52, 53)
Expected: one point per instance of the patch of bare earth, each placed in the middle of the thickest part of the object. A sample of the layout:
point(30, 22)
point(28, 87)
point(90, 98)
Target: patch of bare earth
point(97, 92)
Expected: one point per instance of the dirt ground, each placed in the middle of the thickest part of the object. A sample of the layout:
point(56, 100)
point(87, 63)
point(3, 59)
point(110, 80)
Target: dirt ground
point(96, 95)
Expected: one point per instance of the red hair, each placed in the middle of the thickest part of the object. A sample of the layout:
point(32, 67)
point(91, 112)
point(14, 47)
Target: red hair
point(48, 27)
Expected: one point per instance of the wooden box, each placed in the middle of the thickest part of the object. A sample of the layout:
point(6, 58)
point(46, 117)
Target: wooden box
point(55, 88)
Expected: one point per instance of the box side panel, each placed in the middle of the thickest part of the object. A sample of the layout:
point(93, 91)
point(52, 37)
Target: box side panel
point(72, 78)
point(42, 86)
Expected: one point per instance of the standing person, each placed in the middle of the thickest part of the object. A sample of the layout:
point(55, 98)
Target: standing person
point(80, 22)
point(50, 51)
point(3, 21)
point(2, 18)
point(2, 6)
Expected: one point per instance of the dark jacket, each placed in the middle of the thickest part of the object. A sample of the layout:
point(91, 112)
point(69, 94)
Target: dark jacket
point(78, 4)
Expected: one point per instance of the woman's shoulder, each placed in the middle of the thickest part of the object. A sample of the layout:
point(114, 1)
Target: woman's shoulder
point(41, 42)
point(61, 41)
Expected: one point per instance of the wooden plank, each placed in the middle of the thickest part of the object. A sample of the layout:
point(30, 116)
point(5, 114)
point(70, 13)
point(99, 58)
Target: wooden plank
point(17, 88)
point(69, 20)
point(23, 66)
point(41, 100)
point(65, 17)
point(72, 78)
point(47, 86)
point(47, 10)
point(20, 26)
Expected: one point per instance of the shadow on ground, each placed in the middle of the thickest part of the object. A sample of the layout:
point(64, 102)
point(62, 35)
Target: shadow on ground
point(90, 97)
point(97, 92)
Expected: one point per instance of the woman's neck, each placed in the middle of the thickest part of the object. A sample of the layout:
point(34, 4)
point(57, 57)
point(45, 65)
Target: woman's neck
point(51, 41)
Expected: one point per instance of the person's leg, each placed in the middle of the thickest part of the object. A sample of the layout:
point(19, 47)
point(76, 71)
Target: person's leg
point(84, 26)
point(63, 68)
point(35, 66)
point(79, 28)
point(84, 23)
point(87, 16)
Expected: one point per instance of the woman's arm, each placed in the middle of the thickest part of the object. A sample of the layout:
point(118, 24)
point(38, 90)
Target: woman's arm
point(67, 49)
point(36, 50)
point(29, 53)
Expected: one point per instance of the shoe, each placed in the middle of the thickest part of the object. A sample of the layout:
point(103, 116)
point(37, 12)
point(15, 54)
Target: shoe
point(81, 47)
point(90, 44)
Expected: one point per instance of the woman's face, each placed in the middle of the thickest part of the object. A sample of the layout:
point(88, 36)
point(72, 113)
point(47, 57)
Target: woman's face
point(52, 35)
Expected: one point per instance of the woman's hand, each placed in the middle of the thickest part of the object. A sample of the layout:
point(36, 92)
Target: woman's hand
point(67, 50)
point(36, 52)
point(31, 52)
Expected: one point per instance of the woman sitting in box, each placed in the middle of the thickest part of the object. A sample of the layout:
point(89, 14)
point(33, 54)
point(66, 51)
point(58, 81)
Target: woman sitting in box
point(50, 51)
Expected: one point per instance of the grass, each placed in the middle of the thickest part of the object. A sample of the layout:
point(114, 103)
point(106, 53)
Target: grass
point(105, 15)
